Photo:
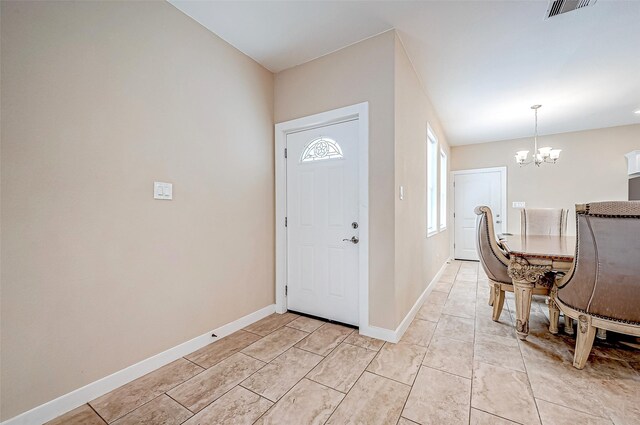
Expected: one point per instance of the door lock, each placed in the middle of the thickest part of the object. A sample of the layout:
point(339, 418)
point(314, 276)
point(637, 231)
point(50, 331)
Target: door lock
point(354, 240)
point(354, 224)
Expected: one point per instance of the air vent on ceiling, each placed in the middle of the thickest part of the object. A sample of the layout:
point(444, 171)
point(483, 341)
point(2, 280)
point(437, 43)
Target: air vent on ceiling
point(557, 7)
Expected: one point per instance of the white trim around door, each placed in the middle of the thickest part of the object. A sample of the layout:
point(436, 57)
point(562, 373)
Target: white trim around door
point(360, 112)
point(503, 213)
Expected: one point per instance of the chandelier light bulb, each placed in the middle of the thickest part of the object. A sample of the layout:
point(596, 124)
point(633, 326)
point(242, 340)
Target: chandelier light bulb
point(546, 151)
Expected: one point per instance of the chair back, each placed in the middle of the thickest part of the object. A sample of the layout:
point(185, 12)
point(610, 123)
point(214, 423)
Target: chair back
point(605, 277)
point(543, 221)
point(493, 259)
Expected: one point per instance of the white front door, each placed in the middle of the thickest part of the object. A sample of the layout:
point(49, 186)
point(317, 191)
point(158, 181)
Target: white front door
point(322, 211)
point(472, 190)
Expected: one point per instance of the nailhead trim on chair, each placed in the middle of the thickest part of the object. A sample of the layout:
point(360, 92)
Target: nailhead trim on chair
point(612, 209)
point(599, 316)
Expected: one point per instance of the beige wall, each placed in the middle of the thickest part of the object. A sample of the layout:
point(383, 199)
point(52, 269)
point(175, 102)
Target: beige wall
point(377, 70)
point(99, 99)
point(417, 258)
point(592, 167)
point(359, 73)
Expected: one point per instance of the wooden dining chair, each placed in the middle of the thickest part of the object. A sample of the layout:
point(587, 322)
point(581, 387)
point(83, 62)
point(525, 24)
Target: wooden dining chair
point(543, 221)
point(602, 288)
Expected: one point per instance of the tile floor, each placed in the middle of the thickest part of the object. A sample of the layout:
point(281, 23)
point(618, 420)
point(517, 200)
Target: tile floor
point(454, 365)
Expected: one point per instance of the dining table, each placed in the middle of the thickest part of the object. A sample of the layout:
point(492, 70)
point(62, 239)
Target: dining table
point(533, 262)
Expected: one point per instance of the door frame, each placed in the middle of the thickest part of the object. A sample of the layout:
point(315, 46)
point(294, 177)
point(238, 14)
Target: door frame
point(360, 112)
point(503, 178)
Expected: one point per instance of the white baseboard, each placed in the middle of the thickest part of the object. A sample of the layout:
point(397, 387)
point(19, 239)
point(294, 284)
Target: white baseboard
point(70, 401)
point(395, 335)
point(378, 333)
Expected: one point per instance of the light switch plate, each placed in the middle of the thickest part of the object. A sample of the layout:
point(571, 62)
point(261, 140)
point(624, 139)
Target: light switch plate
point(518, 205)
point(162, 190)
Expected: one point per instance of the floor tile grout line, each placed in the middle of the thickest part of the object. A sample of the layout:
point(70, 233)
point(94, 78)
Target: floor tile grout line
point(96, 412)
point(498, 416)
point(423, 357)
point(354, 345)
point(139, 407)
point(225, 393)
point(205, 368)
point(257, 334)
point(574, 410)
point(450, 373)
point(258, 370)
point(250, 390)
point(391, 379)
point(279, 327)
point(309, 351)
point(180, 404)
point(526, 372)
point(354, 384)
point(473, 355)
point(294, 346)
point(239, 383)
point(427, 350)
point(155, 370)
point(285, 394)
point(305, 376)
point(293, 386)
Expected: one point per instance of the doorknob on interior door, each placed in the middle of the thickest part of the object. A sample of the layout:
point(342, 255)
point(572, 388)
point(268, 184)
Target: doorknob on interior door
point(354, 240)
point(498, 221)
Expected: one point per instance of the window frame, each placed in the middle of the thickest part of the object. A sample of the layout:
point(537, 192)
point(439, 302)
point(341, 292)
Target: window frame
point(432, 182)
point(444, 181)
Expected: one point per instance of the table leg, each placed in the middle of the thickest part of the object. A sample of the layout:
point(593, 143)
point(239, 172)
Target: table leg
point(522, 292)
point(525, 276)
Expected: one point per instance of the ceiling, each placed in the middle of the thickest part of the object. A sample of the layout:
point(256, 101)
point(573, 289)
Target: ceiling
point(482, 63)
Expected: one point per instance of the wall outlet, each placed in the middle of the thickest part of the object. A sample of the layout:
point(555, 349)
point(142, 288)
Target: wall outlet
point(162, 191)
point(518, 204)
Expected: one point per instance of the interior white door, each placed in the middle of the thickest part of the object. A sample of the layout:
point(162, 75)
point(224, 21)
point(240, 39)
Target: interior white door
point(472, 190)
point(322, 217)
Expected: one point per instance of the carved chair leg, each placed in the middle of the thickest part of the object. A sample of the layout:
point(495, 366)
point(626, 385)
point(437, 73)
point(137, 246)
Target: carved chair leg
point(491, 293)
point(568, 325)
point(498, 302)
point(584, 341)
point(554, 316)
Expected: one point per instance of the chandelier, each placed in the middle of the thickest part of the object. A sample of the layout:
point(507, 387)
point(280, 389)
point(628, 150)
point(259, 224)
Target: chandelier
point(546, 154)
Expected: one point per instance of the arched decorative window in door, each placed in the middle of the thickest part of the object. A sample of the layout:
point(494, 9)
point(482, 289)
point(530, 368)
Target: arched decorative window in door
point(320, 149)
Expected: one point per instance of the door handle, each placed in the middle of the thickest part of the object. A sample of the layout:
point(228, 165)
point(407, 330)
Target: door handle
point(498, 221)
point(354, 240)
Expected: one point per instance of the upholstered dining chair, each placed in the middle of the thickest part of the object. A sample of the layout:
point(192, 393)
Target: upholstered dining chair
point(543, 221)
point(495, 261)
point(602, 288)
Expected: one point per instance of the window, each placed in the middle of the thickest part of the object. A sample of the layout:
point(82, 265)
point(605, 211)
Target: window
point(443, 190)
point(432, 182)
point(321, 149)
